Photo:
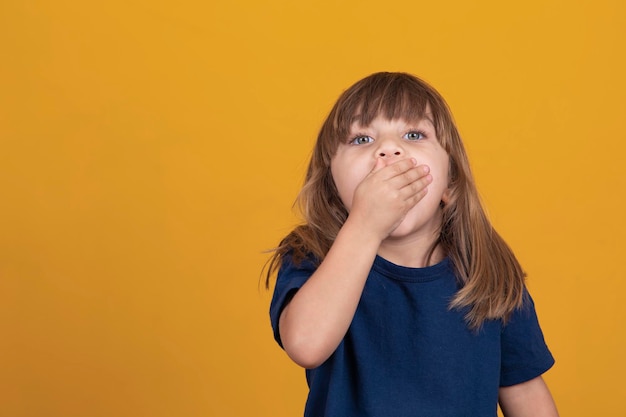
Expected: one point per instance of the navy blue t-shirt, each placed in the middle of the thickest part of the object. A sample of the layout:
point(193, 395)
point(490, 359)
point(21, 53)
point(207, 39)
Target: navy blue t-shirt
point(407, 354)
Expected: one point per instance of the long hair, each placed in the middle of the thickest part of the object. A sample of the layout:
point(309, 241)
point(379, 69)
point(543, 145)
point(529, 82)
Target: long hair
point(490, 277)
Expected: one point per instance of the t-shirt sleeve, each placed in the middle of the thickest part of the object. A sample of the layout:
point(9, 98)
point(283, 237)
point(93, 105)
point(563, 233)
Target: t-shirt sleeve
point(290, 278)
point(525, 354)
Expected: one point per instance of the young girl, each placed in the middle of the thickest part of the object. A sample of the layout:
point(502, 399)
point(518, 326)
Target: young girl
point(397, 295)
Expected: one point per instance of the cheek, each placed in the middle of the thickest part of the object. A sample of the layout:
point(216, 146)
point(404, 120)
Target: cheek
point(346, 181)
point(440, 171)
point(344, 186)
point(441, 176)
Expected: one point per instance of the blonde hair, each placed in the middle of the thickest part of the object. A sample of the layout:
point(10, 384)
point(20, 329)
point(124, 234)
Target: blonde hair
point(490, 277)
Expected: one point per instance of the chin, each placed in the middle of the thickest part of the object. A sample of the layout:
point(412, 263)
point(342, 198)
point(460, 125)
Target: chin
point(405, 229)
point(415, 225)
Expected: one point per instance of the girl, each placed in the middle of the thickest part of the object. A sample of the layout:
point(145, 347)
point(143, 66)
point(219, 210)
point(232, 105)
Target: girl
point(397, 295)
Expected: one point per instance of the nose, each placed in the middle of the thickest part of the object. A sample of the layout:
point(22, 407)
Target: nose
point(389, 149)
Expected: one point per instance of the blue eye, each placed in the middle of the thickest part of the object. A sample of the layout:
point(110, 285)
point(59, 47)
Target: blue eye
point(361, 140)
point(414, 136)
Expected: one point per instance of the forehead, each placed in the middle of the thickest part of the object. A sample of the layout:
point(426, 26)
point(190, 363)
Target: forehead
point(426, 118)
point(401, 106)
point(391, 99)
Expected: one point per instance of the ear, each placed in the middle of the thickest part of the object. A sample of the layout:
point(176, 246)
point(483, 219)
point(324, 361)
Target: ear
point(445, 198)
point(447, 193)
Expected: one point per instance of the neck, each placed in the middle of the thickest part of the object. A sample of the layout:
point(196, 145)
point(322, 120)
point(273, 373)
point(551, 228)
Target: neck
point(413, 254)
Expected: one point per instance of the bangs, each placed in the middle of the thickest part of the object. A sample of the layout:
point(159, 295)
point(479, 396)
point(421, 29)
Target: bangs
point(389, 95)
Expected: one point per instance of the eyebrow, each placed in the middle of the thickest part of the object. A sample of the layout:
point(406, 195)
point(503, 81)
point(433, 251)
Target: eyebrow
point(428, 118)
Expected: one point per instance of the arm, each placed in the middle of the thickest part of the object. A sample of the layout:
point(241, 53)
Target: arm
point(317, 318)
point(528, 399)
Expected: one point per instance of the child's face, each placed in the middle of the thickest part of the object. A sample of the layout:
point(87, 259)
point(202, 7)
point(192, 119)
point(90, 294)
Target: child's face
point(393, 140)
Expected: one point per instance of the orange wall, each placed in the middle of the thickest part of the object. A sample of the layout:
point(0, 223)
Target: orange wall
point(150, 151)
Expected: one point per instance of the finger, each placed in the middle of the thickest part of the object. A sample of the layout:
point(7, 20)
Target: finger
point(399, 167)
point(418, 185)
point(409, 177)
point(378, 165)
point(416, 197)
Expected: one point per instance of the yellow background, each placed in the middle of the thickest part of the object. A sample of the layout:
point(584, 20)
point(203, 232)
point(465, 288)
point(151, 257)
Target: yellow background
point(151, 150)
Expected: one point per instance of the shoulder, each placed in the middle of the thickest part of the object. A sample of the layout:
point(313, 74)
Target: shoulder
point(293, 263)
point(525, 354)
point(292, 275)
point(523, 316)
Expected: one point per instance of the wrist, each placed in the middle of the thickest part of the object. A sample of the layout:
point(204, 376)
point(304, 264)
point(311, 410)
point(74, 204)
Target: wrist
point(359, 232)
